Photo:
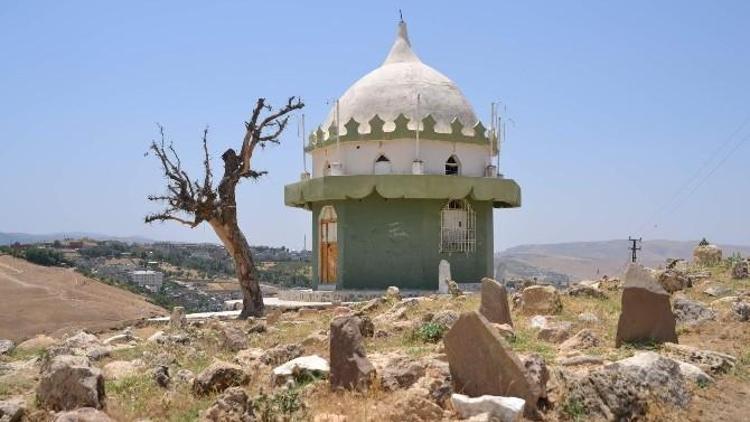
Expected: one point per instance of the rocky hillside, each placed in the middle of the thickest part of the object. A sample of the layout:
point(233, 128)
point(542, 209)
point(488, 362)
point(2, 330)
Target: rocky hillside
point(577, 261)
point(540, 354)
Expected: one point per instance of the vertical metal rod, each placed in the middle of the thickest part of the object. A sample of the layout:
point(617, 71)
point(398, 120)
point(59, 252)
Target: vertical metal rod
point(302, 135)
point(338, 133)
point(419, 96)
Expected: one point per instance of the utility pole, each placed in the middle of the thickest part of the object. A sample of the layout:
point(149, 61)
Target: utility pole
point(634, 248)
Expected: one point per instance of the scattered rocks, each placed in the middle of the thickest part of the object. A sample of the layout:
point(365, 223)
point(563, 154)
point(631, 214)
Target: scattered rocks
point(555, 332)
point(178, 319)
point(506, 409)
point(37, 343)
point(706, 254)
point(126, 337)
point(399, 372)
point(692, 312)
point(446, 318)
point(413, 405)
point(251, 357)
point(84, 414)
point(505, 330)
point(580, 360)
point(494, 302)
point(12, 410)
point(481, 362)
point(312, 366)
point(741, 269)
point(540, 300)
point(453, 289)
point(623, 392)
point(161, 376)
point(184, 376)
point(157, 337)
point(280, 354)
point(741, 310)
point(232, 405)
point(318, 337)
point(218, 377)
point(646, 312)
point(350, 368)
point(68, 382)
point(646, 360)
point(584, 339)
point(6, 347)
point(581, 290)
point(372, 305)
point(714, 362)
point(232, 338)
point(717, 291)
point(673, 280)
point(393, 294)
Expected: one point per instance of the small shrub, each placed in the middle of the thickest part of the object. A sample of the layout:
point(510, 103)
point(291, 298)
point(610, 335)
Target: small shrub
point(574, 409)
point(430, 332)
point(279, 406)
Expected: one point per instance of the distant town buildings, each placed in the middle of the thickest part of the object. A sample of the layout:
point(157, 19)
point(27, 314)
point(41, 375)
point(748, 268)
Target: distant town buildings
point(151, 280)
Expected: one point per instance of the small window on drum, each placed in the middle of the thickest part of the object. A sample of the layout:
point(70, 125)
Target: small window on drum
point(452, 166)
point(382, 165)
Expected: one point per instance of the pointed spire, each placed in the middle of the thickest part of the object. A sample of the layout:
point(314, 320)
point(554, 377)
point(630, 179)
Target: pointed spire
point(401, 50)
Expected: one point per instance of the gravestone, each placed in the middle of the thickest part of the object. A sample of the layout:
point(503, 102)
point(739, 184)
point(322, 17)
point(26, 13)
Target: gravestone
point(444, 275)
point(646, 314)
point(494, 302)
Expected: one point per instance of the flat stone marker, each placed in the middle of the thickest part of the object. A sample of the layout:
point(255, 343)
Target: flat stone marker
point(444, 275)
point(646, 311)
point(481, 362)
point(350, 368)
point(494, 302)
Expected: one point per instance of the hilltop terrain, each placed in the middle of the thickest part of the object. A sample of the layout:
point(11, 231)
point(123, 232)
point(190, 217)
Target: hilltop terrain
point(184, 371)
point(575, 261)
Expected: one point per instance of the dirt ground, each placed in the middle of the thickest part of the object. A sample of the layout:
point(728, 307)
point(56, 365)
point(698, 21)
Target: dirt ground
point(36, 300)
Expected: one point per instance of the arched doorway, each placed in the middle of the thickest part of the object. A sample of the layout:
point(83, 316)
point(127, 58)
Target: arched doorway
point(329, 251)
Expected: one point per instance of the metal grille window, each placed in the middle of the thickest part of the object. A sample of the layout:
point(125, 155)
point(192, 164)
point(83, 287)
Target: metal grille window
point(458, 231)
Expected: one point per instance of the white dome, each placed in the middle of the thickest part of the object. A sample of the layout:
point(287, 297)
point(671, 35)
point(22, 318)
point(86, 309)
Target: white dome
point(392, 89)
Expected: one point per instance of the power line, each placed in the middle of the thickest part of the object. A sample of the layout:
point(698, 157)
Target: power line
point(669, 206)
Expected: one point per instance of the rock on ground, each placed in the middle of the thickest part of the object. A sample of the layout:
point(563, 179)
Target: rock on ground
point(482, 363)
point(305, 366)
point(622, 393)
point(543, 300)
point(84, 414)
point(398, 372)
point(6, 346)
point(673, 280)
point(393, 293)
point(692, 312)
point(233, 338)
point(741, 310)
point(646, 312)
point(350, 368)
point(178, 319)
point(280, 354)
point(555, 332)
point(218, 377)
point(647, 359)
point(494, 302)
point(505, 409)
point(446, 318)
point(706, 255)
point(580, 290)
point(69, 382)
point(741, 269)
point(714, 362)
point(584, 339)
point(232, 405)
point(12, 410)
point(413, 405)
point(38, 342)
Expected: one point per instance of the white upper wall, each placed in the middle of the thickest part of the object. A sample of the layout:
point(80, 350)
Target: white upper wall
point(358, 158)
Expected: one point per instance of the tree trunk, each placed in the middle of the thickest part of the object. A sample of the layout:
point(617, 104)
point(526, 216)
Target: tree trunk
point(236, 244)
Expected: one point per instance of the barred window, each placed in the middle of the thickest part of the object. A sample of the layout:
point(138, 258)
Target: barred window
point(458, 227)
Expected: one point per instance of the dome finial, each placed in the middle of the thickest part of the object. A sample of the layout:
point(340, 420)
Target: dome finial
point(401, 50)
point(400, 15)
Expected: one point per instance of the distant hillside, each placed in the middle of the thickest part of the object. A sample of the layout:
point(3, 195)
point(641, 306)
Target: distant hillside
point(36, 299)
point(587, 260)
point(10, 238)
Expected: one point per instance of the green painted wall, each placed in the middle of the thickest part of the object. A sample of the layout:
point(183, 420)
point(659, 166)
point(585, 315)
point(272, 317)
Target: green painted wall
point(384, 242)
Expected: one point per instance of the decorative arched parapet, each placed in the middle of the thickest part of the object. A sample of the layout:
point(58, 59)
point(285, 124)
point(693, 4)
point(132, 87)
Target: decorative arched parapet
point(477, 134)
point(503, 193)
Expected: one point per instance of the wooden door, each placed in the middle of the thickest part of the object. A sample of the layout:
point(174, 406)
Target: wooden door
point(328, 245)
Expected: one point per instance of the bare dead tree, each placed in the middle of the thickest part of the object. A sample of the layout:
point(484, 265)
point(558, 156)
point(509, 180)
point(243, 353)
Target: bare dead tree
point(193, 201)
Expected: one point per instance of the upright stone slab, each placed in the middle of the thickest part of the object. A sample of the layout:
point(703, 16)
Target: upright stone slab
point(482, 363)
point(646, 313)
point(444, 276)
point(494, 302)
point(178, 319)
point(350, 368)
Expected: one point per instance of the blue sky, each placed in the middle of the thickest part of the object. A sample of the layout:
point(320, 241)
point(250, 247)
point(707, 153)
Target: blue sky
point(617, 105)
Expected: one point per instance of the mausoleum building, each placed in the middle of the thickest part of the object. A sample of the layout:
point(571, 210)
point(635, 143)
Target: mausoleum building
point(402, 178)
